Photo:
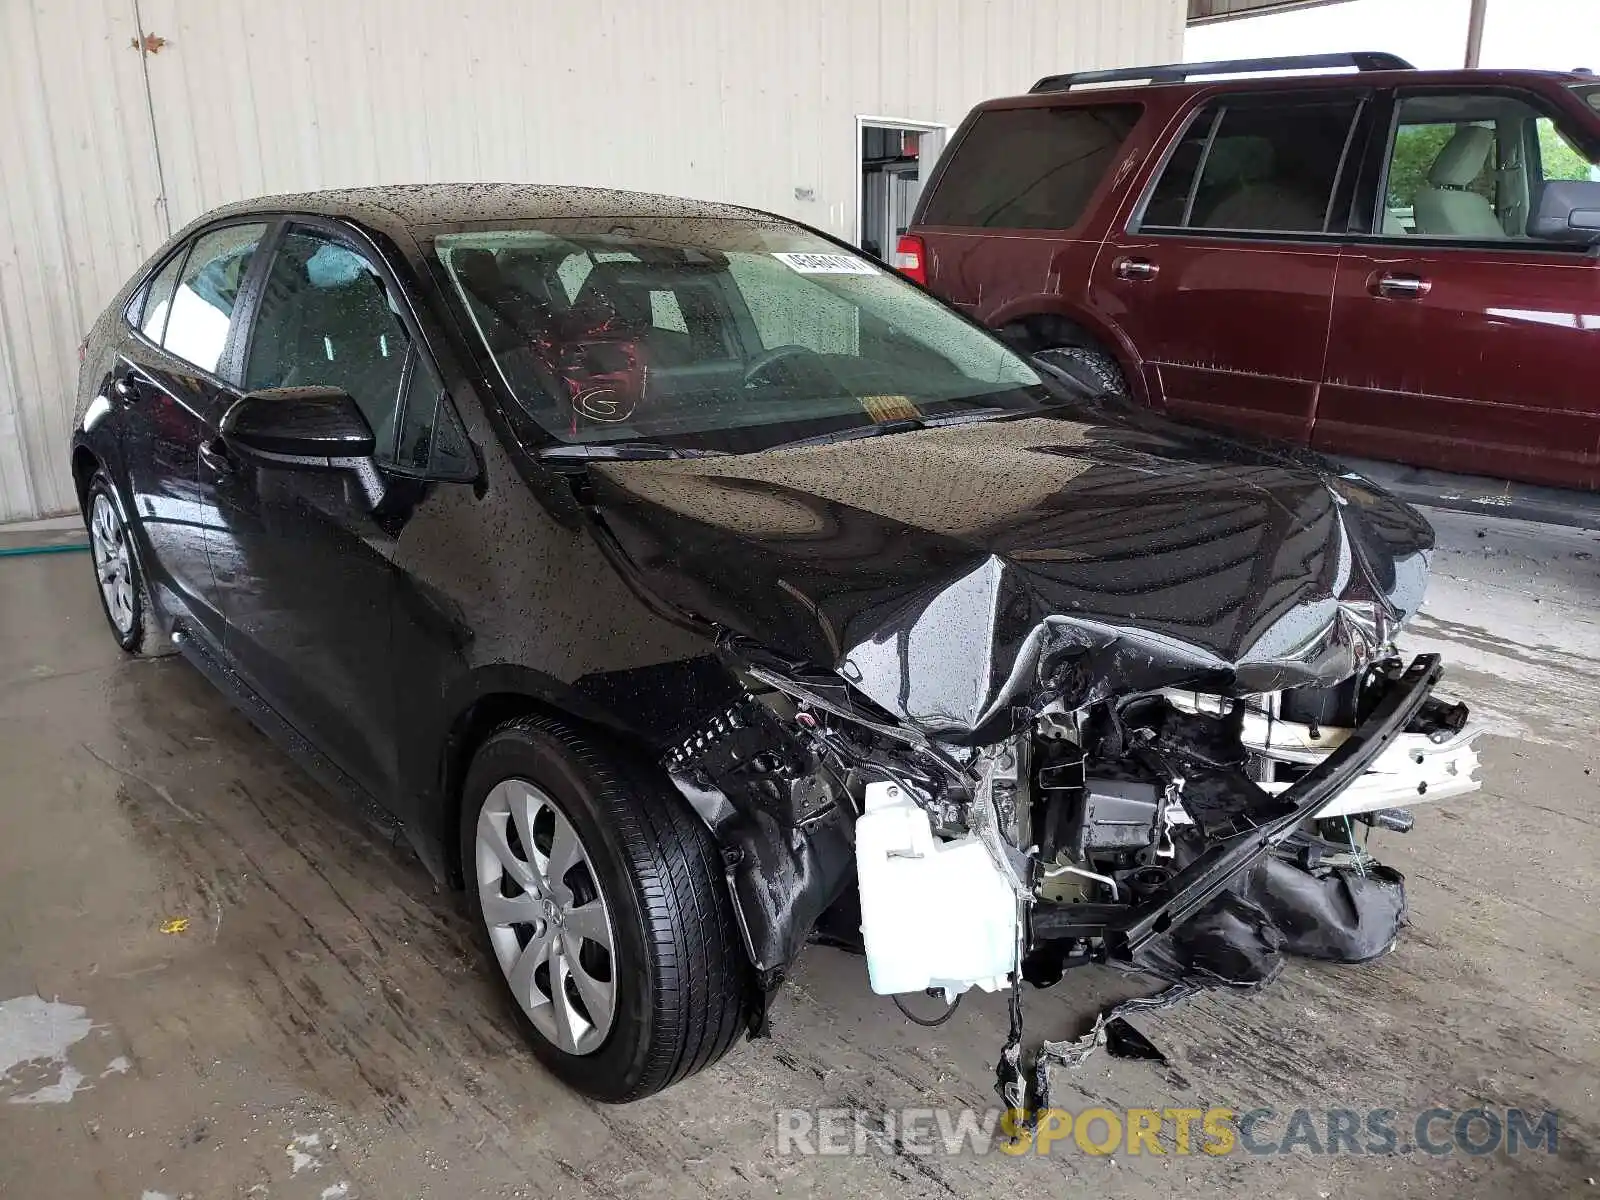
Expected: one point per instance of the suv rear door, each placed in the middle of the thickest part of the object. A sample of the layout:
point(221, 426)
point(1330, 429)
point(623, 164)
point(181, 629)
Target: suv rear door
point(1222, 273)
point(1011, 212)
point(1458, 341)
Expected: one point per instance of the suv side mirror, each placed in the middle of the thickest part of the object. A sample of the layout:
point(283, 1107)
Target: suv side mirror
point(1569, 211)
point(305, 429)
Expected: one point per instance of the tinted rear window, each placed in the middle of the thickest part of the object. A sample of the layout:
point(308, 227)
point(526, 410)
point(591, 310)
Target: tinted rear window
point(1029, 168)
point(1262, 167)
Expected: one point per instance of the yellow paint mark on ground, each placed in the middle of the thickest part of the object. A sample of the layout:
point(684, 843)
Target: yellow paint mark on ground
point(175, 925)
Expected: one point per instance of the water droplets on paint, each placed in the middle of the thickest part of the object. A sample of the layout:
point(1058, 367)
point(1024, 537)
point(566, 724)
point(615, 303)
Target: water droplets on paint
point(38, 1031)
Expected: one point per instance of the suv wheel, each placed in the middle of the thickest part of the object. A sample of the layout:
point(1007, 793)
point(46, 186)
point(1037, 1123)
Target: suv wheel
point(1094, 367)
point(124, 594)
point(601, 900)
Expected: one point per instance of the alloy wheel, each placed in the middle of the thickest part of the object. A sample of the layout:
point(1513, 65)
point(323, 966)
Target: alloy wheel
point(547, 918)
point(112, 563)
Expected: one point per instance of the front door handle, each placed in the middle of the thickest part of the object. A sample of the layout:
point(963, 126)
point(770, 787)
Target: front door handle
point(1135, 268)
point(1400, 287)
point(216, 457)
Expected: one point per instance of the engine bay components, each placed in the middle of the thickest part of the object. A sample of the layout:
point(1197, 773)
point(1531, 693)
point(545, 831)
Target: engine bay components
point(1196, 837)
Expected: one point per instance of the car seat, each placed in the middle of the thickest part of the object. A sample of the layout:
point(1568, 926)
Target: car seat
point(598, 354)
point(508, 314)
point(1444, 207)
point(1263, 195)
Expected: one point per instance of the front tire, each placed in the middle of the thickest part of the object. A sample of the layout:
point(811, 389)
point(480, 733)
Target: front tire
point(600, 898)
point(124, 590)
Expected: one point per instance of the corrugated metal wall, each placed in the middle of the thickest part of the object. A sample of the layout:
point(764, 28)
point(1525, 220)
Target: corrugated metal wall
point(102, 144)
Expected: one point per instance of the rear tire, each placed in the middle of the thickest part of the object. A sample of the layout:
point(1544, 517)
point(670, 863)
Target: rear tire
point(119, 578)
point(1094, 367)
point(668, 997)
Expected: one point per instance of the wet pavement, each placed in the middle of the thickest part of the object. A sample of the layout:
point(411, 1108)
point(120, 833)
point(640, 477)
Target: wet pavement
point(217, 981)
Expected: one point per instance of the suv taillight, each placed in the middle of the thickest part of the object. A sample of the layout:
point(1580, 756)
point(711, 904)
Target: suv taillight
point(909, 260)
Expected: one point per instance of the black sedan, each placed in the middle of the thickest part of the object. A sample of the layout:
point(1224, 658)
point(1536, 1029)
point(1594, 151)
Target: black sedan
point(687, 585)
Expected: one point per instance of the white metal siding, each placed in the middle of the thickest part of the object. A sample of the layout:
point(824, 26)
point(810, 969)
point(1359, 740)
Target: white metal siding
point(77, 215)
point(739, 100)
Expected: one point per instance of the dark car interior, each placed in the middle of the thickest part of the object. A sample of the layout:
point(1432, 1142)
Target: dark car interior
point(325, 319)
point(1252, 177)
point(667, 325)
point(656, 341)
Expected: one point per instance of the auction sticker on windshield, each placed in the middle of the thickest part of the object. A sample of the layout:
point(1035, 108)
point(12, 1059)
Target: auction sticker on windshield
point(825, 264)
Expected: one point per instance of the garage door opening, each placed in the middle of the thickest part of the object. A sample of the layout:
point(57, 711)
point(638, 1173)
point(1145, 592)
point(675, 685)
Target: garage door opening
point(896, 159)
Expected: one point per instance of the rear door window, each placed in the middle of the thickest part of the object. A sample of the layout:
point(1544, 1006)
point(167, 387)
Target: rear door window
point(202, 306)
point(158, 299)
point(1029, 168)
point(1255, 167)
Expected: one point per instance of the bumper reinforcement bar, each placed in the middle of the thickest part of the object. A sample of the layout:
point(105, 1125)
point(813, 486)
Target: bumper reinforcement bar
point(1126, 929)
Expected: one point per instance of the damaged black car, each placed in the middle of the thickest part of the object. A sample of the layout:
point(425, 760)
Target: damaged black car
point(689, 587)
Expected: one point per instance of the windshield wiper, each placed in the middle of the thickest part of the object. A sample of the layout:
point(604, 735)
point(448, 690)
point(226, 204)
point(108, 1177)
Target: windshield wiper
point(898, 425)
point(582, 452)
point(855, 433)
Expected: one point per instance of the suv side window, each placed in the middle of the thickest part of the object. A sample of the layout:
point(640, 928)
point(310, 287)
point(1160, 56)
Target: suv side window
point(1470, 165)
point(1029, 168)
point(326, 321)
point(201, 311)
point(1253, 167)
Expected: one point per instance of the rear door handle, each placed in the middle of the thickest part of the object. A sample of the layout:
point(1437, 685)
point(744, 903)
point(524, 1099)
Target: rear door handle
point(1135, 268)
point(1400, 287)
point(216, 457)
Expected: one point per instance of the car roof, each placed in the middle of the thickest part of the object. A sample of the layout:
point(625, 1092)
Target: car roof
point(393, 208)
point(1104, 93)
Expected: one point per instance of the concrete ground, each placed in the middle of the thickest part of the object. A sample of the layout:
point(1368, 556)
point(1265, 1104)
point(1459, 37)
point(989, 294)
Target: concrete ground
point(215, 982)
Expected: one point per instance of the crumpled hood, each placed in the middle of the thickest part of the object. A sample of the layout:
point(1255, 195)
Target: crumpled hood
point(955, 575)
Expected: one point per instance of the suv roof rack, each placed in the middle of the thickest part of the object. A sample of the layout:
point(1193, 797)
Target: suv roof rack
point(1362, 60)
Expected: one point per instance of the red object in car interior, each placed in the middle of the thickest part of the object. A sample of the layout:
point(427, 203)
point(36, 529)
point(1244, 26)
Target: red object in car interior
point(908, 259)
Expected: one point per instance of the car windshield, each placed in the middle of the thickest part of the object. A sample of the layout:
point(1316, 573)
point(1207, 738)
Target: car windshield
point(716, 334)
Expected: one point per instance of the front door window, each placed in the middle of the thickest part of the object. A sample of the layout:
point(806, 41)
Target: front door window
point(1470, 165)
point(326, 321)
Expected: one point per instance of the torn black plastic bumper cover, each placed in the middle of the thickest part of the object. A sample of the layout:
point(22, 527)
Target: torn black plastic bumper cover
point(1128, 929)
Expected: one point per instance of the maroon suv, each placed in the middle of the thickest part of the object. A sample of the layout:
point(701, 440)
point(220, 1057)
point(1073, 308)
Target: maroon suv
point(1390, 263)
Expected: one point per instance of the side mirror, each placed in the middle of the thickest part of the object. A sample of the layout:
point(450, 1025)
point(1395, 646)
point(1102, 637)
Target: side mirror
point(305, 429)
point(1569, 211)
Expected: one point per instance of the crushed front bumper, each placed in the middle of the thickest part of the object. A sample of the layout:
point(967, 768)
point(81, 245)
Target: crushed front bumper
point(1415, 768)
point(1126, 929)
